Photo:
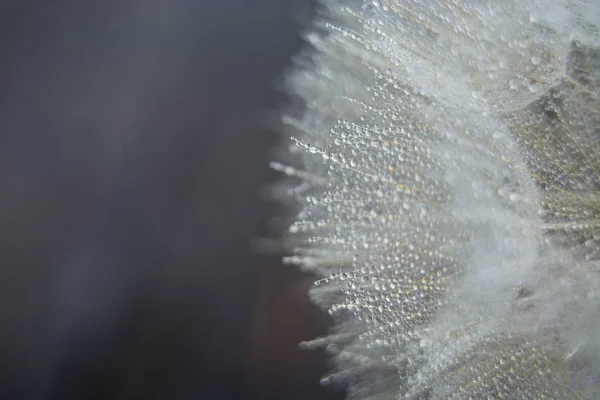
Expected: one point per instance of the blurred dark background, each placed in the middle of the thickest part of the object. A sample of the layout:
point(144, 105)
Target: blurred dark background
point(133, 149)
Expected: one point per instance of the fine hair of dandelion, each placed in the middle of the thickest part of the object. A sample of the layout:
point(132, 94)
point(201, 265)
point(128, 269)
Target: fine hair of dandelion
point(449, 195)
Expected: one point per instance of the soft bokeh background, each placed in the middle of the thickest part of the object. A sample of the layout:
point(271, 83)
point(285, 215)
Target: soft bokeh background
point(133, 146)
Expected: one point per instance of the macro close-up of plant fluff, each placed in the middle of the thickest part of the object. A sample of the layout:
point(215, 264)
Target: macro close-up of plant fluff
point(444, 158)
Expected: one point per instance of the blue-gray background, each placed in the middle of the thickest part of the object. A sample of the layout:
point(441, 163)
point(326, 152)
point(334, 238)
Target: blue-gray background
point(132, 153)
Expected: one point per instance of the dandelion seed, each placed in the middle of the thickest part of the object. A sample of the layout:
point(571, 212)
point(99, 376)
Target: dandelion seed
point(457, 206)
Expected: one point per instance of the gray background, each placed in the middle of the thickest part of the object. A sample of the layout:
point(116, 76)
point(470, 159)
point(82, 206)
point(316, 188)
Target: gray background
point(132, 154)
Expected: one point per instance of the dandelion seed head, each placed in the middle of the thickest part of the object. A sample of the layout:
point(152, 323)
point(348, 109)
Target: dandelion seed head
point(450, 196)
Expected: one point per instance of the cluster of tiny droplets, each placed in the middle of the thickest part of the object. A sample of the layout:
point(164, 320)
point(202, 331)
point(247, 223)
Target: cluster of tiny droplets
point(450, 196)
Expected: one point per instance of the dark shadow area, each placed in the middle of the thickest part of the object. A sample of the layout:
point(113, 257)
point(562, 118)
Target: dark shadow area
point(131, 161)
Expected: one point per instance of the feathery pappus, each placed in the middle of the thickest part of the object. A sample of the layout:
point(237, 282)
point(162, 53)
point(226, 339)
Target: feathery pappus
point(445, 157)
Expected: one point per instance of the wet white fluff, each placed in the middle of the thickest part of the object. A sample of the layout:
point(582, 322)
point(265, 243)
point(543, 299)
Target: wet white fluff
point(449, 191)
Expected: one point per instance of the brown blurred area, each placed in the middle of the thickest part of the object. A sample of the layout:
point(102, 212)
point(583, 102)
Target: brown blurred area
point(132, 156)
